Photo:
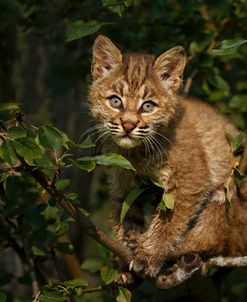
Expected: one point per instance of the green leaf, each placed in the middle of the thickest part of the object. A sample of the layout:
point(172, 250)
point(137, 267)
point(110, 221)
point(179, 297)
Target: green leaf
point(156, 183)
point(108, 275)
point(87, 143)
point(92, 265)
point(3, 297)
point(44, 162)
point(51, 295)
point(9, 107)
point(61, 184)
point(114, 159)
point(123, 295)
point(60, 229)
point(50, 213)
point(51, 138)
point(168, 200)
point(228, 193)
point(38, 251)
point(79, 29)
point(115, 6)
point(218, 82)
point(15, 132)
point(9, 111)
point(7, 153)
point(131, 197)
point(239, 176)
point(79, 282)
point(228, 47)
point(230, 140)
point(84, 165)
point(88, 163)
point(74, 197)
point(235, 142)
point(239, 102)
point(27, 148)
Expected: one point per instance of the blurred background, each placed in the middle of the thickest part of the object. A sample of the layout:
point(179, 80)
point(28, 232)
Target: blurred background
point(45, 55)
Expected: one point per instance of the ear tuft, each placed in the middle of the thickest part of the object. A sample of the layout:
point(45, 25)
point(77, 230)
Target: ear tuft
point(106, 56)
point(170, 66)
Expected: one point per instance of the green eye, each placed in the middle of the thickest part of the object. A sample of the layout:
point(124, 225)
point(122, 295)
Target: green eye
point(148, 107)
point(115, 102)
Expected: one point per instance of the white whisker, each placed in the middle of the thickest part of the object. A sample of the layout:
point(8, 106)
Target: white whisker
point(93, 128)
point(158, 147)
point(101, 135)
point(164, 137)
point(150, 143)
point(107, 134)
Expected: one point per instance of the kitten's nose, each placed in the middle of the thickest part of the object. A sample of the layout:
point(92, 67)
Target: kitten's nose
point(128, 126)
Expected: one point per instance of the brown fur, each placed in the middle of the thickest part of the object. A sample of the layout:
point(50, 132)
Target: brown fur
point(189, 156)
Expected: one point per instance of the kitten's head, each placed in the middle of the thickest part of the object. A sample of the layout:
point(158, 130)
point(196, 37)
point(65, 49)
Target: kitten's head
point(133, 95)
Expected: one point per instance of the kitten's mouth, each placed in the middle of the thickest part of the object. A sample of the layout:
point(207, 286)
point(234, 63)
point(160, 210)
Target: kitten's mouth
point(127, 141)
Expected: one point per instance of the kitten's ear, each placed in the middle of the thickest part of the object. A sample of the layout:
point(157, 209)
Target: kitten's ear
point(170, 66)
point(105, 56)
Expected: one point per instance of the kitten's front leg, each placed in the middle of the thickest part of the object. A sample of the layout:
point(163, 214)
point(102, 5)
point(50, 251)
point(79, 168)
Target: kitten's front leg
point(149, 249)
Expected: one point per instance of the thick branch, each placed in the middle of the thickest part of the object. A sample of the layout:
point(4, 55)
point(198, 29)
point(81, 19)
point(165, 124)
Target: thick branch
point(187, 266)
point(186, 269)
point(223, 262)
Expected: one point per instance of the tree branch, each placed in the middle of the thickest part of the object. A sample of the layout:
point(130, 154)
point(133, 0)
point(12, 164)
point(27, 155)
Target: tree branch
point(187, 266)
point(91, 229)
point(223, 262)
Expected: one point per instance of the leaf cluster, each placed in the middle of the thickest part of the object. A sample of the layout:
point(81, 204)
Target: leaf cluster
point(32, 160)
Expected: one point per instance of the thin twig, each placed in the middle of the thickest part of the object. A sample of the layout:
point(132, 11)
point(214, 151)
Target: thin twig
point(93, 289)
point(188, 82)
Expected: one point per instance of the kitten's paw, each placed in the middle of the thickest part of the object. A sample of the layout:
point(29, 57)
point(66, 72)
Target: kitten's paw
point(146, 267)
point(144, 260)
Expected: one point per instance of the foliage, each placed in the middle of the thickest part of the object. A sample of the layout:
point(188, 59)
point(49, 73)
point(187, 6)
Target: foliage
point(214, 36)
point(31, 222)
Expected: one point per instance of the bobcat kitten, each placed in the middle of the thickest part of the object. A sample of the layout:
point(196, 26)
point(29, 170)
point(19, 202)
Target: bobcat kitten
point(179, 142)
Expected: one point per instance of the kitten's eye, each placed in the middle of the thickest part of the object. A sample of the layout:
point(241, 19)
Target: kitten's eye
point(115, 102)
point(148, 107)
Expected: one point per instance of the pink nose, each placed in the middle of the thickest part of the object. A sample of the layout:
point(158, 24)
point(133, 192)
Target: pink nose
point(128, 126)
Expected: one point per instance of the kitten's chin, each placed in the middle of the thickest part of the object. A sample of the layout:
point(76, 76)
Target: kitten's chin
point(127, 142)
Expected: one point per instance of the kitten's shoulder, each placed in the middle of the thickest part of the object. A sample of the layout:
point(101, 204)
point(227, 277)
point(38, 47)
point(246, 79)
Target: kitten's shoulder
point(202, 114)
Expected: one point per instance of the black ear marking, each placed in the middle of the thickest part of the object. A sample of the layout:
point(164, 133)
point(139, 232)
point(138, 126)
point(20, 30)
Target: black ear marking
point(165, 76)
